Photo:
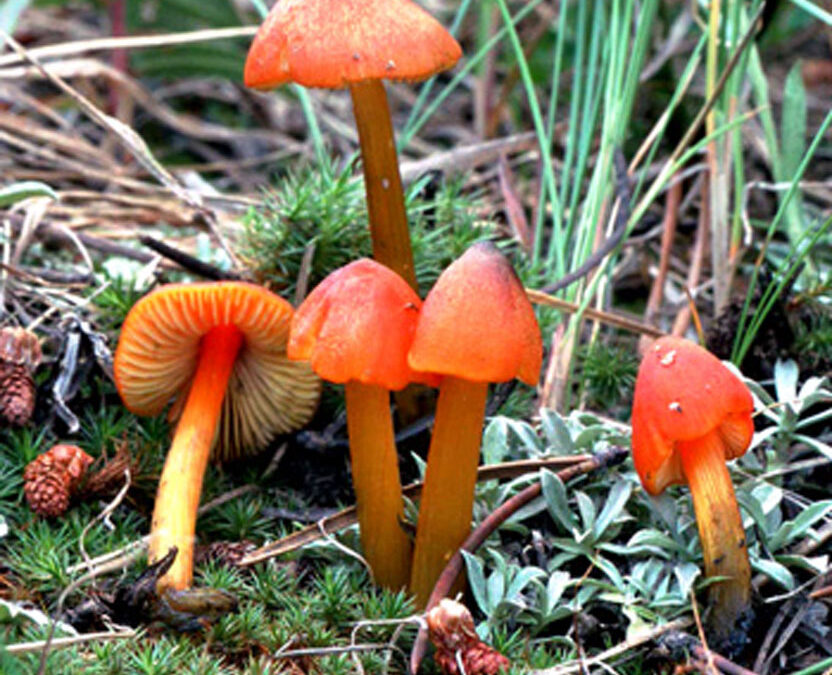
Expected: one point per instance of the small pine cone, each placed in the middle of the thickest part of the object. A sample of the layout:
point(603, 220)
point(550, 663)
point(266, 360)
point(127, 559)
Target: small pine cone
point(451, 630)
point(50, 479)
point(19, 355)
point(17, 393)
point(48, 495)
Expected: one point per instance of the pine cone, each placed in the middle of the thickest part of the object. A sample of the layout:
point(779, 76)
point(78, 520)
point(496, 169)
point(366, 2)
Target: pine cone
point(19, 355)
point(50, 479)
point(451, 630)
point(48, 495)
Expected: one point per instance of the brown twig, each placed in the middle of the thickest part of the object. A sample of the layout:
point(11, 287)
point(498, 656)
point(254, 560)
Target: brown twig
point(605, 458)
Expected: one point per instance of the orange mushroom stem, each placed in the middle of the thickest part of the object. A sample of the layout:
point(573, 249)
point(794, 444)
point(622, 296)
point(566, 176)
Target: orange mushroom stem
point(375, 478)
point(356, 328)
point(382, 180)
point(447, 499)
point(720, 527)
point(180, 487)
point(690, 415)
point(456, 338)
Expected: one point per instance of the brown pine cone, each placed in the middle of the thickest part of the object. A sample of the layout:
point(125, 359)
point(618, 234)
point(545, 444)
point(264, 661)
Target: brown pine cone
point(451, 630)
point(19, 355)
point(50, 479)
point(48, 495)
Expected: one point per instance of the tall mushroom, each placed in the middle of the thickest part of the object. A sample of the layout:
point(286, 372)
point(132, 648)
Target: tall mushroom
point(690, 415)
point(222, 347)
point(355, 328)
point(357, 44)
point(476, 327)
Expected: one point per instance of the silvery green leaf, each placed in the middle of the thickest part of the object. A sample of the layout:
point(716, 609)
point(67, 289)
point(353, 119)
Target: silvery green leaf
point(476, 579)
point(495, 441)
point(527, 436)
point(587, 438)
point(555, 587)
point(810, 387)
point(586, 508)
point(762, 399)
point(557, 502)
point(774, 571)
point(814, 564)
point(17, 192)
point(531, 509)
point(617, 500)
point(495, 591)
point(769, 496)
point(611, 571)
point(809, 516)
point(686, 574)
point(653, 541)
point(522, 579)
point(785, 381)
point(557, 434)
point(4, 527)
point(823, 448)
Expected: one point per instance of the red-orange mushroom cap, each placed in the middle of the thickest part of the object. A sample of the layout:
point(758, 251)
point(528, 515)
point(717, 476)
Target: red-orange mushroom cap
point(682, 393)
point(358, 324)
point(333, 43)
point(477, 323)
point(159, 349)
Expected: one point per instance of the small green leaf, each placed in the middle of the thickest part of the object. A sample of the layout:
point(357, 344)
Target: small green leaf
point(613, 507)
point(557, 433)
point(495, 441)
point(774, 571)
point(557, 502)
point(476, 579)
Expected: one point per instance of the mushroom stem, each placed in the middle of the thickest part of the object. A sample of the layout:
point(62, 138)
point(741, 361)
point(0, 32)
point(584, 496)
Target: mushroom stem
point(447, 498)
point(378, 490)
point(177, 498)
point(720, 530)
point(383, 183)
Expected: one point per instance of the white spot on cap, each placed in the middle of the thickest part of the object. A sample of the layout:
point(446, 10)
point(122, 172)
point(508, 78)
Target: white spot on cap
point(356, 56)
point(391, 65)
point(675, 406)
point(667, 359)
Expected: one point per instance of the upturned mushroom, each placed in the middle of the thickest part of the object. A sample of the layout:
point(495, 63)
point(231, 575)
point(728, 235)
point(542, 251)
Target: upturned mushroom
point(357, 44)
point(355, 328)
point(690, 415)
point(477, 326)
point(220, 347)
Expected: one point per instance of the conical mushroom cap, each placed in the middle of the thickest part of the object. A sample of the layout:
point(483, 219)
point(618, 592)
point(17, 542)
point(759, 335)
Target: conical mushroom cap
point(158, 351)
point(477, 322)
point(358, 324)
point(332, 43)
point(682, 393)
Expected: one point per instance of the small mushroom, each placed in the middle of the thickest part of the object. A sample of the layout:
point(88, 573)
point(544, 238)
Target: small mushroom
point(357, 44)
point(355, 328)
point(690, 415)
point(222, 348)
point(477, 326)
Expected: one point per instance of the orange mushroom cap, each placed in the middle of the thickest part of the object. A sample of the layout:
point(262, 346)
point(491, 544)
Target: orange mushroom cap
point(332, 43)
point(683, 392)
point(477, 323)
point(158, 352)
point(358, 324)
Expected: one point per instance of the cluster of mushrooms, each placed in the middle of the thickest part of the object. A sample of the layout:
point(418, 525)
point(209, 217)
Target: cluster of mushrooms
point(242, 365)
